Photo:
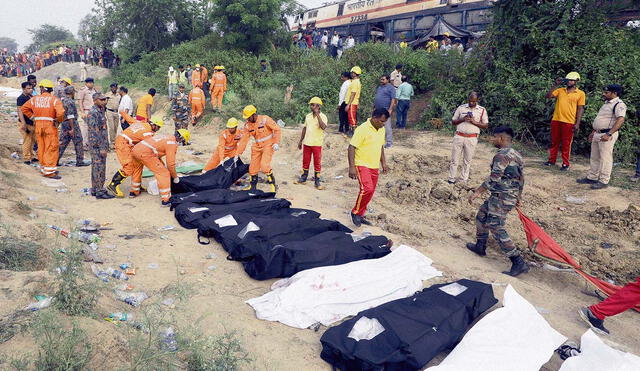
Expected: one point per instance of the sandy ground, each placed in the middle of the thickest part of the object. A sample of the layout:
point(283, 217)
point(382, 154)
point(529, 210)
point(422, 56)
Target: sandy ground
point(414, 205)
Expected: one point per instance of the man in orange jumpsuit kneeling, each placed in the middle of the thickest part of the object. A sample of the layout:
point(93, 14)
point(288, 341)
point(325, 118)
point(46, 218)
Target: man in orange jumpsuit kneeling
point(149, 153)
point(47, 112)
point(125, 141)
point(266, 135)
point(227, 145)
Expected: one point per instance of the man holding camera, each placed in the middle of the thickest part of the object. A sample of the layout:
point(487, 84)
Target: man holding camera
point(468, 119)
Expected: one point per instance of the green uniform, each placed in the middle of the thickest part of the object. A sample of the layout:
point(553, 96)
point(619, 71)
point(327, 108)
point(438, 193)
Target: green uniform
point(505, 185)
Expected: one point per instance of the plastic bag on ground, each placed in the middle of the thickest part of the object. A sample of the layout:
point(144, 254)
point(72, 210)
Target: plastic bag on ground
point(152, 187)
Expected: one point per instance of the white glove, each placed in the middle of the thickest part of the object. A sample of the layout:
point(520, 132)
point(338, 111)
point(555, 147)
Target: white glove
point(275, 146)
point(176, 180)
point(235, 159)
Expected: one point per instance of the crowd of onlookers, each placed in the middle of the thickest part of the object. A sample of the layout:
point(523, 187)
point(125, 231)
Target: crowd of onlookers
point(335, 44)
point(23, 64)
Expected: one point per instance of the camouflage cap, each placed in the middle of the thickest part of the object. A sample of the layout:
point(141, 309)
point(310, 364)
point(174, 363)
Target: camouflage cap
point(69, 90)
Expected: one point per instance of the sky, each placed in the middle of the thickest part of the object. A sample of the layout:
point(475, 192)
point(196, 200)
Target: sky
point(66, 13)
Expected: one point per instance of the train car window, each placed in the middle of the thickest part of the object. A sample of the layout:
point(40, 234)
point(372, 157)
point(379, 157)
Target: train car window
point(444, 2)
point(340, 9)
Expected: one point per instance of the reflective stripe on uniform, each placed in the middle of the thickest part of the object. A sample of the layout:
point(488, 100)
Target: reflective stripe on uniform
point(265, 138)
point(147, 134)
point(135, 184)
point(171, 142)
point(150, 146)
point(42, 118)
point(165, 190)
point(232, 147)
point(125, 136)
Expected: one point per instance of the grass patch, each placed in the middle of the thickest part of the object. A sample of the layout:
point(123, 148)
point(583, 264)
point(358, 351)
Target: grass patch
point(9, 178)
point(59, 348)
point(22, 208)
point(14, 323)
point(214, 353)
point(75, 295)
point(20, 255)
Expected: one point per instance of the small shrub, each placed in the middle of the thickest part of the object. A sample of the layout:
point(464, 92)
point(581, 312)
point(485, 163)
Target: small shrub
point(59, 348)
point(75, 296)
point(215, 353)
point(17, 254)
point(145, 342)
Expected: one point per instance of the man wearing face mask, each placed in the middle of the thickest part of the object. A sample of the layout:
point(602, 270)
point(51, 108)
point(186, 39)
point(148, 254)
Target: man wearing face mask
point(505, 183)
point(468, 119)
point(603, 137)
point(566, 119)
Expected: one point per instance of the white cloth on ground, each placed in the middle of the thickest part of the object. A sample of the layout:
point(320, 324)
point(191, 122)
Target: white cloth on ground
point(514, 337)
point(329, 294)
point(595, 355)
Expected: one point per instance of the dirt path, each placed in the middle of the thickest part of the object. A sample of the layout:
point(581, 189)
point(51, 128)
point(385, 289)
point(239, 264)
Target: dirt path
point(414, 205)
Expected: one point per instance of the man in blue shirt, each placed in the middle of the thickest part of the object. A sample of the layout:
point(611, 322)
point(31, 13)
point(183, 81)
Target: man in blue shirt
point(403, 94)
point(386, 98)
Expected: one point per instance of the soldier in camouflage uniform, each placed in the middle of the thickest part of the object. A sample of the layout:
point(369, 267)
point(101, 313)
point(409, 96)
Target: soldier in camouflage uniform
point(70, 130)
point(98, 145)
point(505, 183)
point(181, 109)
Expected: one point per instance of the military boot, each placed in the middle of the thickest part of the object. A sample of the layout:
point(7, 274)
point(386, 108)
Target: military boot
point(303, 177)
point(114, 186)
point(271, 181)
point(518, 266)
point(480, 247)
point(316, 181)
point(253, 182)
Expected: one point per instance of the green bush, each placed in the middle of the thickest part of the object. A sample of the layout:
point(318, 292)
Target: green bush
point(59, 348)
point(75, 295)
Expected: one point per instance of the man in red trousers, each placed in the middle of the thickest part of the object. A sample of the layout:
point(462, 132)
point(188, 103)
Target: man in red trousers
point(627, 298)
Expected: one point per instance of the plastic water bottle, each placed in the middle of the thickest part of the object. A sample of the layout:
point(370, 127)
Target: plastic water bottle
point(104, 276)
point(169, 342)
point(131, 298)
point(121, 316)
point(117, 274)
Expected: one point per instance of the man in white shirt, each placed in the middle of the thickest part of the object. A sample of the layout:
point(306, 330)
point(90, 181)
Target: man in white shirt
point(324, 41)
point(468, 119)
point(396, 76)
point(351, 42)
point(342, 112)
point(126, 105)
point(333, 50)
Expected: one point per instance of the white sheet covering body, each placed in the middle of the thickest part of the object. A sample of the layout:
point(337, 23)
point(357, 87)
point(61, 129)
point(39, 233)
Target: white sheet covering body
point(597, 356)
point(514, 337)
point(329, 294)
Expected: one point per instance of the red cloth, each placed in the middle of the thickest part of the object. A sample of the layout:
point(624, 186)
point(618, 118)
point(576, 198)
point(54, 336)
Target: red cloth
point(626, 298)
point(368, 179)
point(140, 118)
point(561, 134)
point(316, 152)
point(352, 115)
point(549, 248)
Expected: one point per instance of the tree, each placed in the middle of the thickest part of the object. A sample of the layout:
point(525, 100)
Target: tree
point(10, 44)
point(253, 24)
point(47, 34)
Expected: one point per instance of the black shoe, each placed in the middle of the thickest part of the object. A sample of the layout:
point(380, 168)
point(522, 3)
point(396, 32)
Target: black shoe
point(599, 185)
point(549, 163)
point(451, 182)
point(564, 167)
point(35, 160)
point(27, 163)
point(586, 181)
point(356, 219)
point(166, 203)
point(364, 221)
point(518, 266)
point(55, 176)
point(596, 324)
point(82, 163)
point(480, 247)
point(303, 177)
point(104, 195)
point(316, 181)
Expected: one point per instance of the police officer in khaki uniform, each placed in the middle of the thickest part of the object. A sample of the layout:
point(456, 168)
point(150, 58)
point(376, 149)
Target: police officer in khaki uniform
point(468, 119)
point(604, 136)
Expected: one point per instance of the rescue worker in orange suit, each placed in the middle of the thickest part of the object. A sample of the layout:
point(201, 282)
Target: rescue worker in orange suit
point(218, 87)
point(227, 145)
point(204, 77)
point(197, 101)
point(149, 153)
point(125, 141)
point(266, 135)
point(196, 77)
point(47, 112)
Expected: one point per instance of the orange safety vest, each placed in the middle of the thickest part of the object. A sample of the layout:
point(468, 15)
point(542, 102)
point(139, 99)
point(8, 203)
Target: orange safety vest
point(44, 109)
point(136, 133)
point(264, 131)
point(219, 80)
point(229, 142)
point(196, 97)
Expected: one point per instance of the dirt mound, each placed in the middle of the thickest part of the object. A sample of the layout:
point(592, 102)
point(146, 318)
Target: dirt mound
point(627, 221)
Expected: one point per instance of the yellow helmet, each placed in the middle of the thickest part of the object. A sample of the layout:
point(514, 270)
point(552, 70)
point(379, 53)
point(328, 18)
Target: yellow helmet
point(197, 65)
point(221, 67)
point(157, 121)
point(46, 84)
point(315, 100)
point(573, 76)
point(446, 34)
point(67, 80)
point(232, 123)
point(248, 111)
point(356, 70)
point(185, 134)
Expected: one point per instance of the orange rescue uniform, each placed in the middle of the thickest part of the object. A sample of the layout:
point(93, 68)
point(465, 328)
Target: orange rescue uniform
point(195, 79)
point(148, 153)
point(125, 141)
point(227, 148)
point(47, 112)
point(265, 133)
point(204, 75)
point(197, 101)
point(218, 87)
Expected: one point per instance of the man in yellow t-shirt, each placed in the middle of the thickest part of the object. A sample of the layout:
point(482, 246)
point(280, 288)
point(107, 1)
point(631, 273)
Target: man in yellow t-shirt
point(353, 98)
point(566, 119)
point(311, 142)
point(366, 154)
point(143, 112)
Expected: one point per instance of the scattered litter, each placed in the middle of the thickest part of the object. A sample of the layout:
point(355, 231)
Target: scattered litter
point(39, 297)
point(163, 237)
point(168, 302)
point(32, 198)
point(153, 266)
point(125, 287)
point(90, 254)
point(132, 298)
point(32, 215)
point(607, 245)
point(169, 342)
point(94, 246)
point(211, 267)
point(110, 247)
point(61, 190)
point(339, 176)
point(167, 228)
point(562, 208)
point(576, 200)
point(86, 191)
point(15, 156)
point(210, 255)
point(40, 304)
point(130, 271)
point(53, 183)
point(152, 188)
point(120, 316)
point(80, 236)
point(125, 265)
point(281, 123)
